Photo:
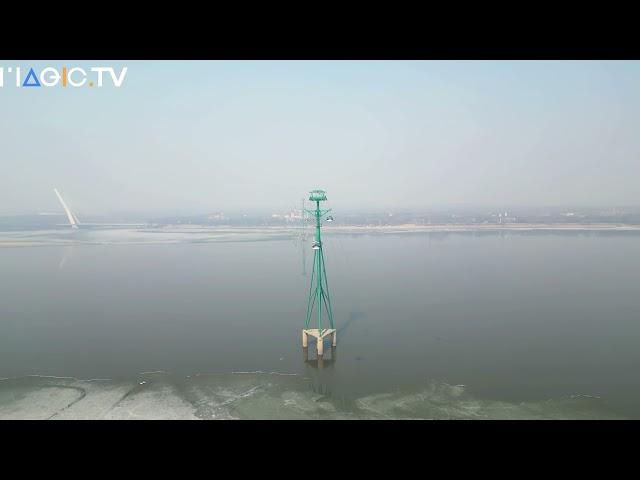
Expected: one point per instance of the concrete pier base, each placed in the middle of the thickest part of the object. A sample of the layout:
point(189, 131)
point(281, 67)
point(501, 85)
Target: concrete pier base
point(319, 335)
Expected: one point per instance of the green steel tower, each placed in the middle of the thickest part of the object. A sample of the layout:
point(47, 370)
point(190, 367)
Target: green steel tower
point(319, 289)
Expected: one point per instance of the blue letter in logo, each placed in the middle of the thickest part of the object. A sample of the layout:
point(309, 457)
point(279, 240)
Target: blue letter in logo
point(31, 75)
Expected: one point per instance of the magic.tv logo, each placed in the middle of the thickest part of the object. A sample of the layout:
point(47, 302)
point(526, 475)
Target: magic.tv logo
point(73, 77)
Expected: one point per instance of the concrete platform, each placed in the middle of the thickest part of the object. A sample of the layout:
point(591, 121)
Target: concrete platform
point(319, 335)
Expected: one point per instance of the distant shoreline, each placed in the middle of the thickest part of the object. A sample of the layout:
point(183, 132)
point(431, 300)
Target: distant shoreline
point(491, 227)
point(174, 234)
point(405, 228)
point(401, 228)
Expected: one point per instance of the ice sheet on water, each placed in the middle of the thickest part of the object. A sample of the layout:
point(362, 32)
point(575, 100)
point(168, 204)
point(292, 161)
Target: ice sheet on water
point(260, 396)
point(140, 236)
point(442, 401)
point(257, 396)
point(53, 397)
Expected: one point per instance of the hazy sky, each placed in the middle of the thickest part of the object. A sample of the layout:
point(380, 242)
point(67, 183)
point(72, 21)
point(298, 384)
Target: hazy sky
point(198, 137)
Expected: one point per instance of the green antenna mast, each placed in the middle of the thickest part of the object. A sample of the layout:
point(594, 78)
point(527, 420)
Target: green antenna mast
point(319, 289)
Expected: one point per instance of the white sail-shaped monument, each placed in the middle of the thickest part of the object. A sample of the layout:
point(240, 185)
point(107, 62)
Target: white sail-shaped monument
point(73, 220)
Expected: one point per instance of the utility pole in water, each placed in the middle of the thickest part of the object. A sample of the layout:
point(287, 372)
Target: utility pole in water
point(319, 289)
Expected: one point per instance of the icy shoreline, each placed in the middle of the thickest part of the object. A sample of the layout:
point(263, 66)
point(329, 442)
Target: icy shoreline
point(251, 395)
